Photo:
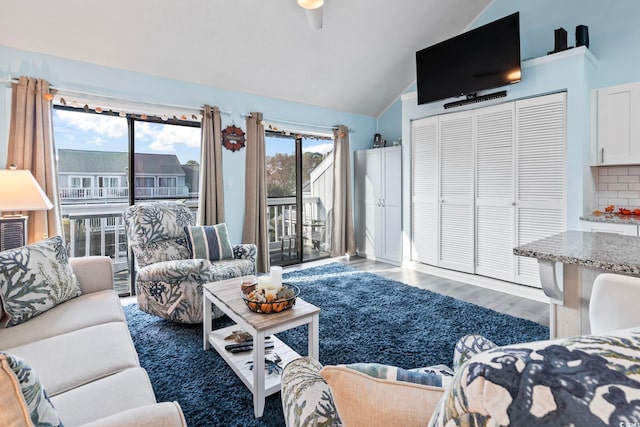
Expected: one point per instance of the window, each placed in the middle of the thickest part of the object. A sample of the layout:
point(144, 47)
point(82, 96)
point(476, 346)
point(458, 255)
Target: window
point(81, 182)
point(108, 182)
point(94, 154)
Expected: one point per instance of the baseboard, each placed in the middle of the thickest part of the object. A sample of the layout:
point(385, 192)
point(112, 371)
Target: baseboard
point(510, 288)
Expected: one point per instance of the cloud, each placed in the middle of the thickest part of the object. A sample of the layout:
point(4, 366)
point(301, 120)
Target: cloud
point(323, 148)
point(108, 126)
point(96, 141)
point(165, 138)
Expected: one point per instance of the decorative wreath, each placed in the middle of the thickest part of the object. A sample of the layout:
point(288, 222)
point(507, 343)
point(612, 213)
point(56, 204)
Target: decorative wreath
point(233, 138)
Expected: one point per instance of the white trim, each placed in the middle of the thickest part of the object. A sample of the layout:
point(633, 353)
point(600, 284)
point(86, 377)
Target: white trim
point(409, 95)
point(578, 51)
point(5, 123)
point(534, 294)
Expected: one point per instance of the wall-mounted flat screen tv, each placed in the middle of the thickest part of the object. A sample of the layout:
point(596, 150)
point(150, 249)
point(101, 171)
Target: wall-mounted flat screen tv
point(483, 58)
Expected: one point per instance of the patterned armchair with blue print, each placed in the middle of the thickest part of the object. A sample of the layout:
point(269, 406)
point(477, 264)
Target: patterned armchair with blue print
point(168, 281)
point(587, 380)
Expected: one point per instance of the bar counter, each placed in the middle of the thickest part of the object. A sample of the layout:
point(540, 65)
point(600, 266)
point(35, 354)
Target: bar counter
point(569, 262)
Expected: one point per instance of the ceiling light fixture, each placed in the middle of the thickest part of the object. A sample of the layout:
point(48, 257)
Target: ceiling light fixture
point(313, 9)
point(310, 4)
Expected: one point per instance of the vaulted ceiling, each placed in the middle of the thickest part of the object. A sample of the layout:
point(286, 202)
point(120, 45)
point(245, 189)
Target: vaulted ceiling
point(360, 61)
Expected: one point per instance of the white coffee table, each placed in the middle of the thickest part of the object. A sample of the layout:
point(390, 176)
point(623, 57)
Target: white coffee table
point(227, 297)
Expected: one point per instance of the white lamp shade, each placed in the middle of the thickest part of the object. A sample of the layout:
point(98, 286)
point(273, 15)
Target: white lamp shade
point(19, 191)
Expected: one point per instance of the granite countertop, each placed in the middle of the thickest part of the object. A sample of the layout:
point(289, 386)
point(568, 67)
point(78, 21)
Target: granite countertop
point(613, 218)
point(610, 252)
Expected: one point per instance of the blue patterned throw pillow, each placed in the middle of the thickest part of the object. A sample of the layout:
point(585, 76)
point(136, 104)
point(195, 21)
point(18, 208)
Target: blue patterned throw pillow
point(23, 394)
point(209, 242)
point(34, 279)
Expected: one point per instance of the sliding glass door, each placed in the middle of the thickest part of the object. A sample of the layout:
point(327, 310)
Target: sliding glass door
point(299, 177)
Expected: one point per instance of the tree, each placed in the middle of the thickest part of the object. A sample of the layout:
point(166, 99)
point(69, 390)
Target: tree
point(281, 172)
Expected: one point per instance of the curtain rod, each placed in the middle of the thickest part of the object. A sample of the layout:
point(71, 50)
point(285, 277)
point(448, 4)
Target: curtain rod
point(114, 98)
point(287, 122)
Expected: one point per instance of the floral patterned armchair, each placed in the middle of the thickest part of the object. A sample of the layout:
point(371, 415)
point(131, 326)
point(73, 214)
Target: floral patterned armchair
point(168, 281)
point(587, 380)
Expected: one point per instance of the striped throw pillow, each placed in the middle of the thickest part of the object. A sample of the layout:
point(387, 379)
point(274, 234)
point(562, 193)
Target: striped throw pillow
point(209, 242)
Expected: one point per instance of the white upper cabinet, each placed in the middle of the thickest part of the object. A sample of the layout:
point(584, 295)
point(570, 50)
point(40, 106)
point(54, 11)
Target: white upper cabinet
point(618, 125)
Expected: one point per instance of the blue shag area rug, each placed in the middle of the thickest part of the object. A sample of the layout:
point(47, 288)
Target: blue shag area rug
point(364, 318)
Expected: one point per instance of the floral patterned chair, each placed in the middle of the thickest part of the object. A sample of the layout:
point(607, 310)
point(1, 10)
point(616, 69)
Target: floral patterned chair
point(168, 280)
point(587, 380)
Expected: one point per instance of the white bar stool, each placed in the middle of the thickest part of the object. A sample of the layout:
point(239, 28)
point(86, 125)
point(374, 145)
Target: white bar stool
point(614, 303)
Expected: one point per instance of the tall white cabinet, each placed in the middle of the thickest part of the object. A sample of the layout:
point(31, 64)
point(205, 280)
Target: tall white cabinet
point(487, 180)
point(378, 175)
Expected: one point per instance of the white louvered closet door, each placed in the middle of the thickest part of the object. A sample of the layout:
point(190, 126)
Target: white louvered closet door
point(456, 191)
point(424, 191)
point(495, 198)
point(540, 189)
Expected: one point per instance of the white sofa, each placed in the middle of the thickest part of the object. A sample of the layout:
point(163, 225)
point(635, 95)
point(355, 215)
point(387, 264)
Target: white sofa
point(85, 359)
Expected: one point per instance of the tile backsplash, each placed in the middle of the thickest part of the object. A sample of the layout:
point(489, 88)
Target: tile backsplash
point(619, 186)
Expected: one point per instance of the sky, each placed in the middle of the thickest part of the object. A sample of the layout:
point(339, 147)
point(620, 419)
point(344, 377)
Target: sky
point(102, 132)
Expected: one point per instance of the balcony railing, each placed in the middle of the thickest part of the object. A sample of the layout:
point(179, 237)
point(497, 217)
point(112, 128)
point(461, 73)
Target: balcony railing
point(121, 193)
point(100, 234)
point(282, 218)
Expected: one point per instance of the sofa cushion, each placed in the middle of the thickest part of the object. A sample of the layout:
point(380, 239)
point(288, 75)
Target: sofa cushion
point(373, 394)
point(165, 414)
point(107, 396)
point(21, 393)
point(35, 278)
point(197, 270)
point(76, 358)
point(209, 242)
point(86, 310)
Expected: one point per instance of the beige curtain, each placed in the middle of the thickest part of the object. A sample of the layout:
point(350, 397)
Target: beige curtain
point(31, 147)
point(341, 218)
point(211, 186)
point(255, 192)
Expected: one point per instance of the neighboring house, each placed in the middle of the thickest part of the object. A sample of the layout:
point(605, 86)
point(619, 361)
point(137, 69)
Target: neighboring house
point(85, 176)
point(94, 192)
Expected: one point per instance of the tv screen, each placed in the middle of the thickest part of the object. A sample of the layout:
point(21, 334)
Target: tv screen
point(483, 58)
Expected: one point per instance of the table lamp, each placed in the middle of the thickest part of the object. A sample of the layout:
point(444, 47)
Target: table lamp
point(19, 191)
